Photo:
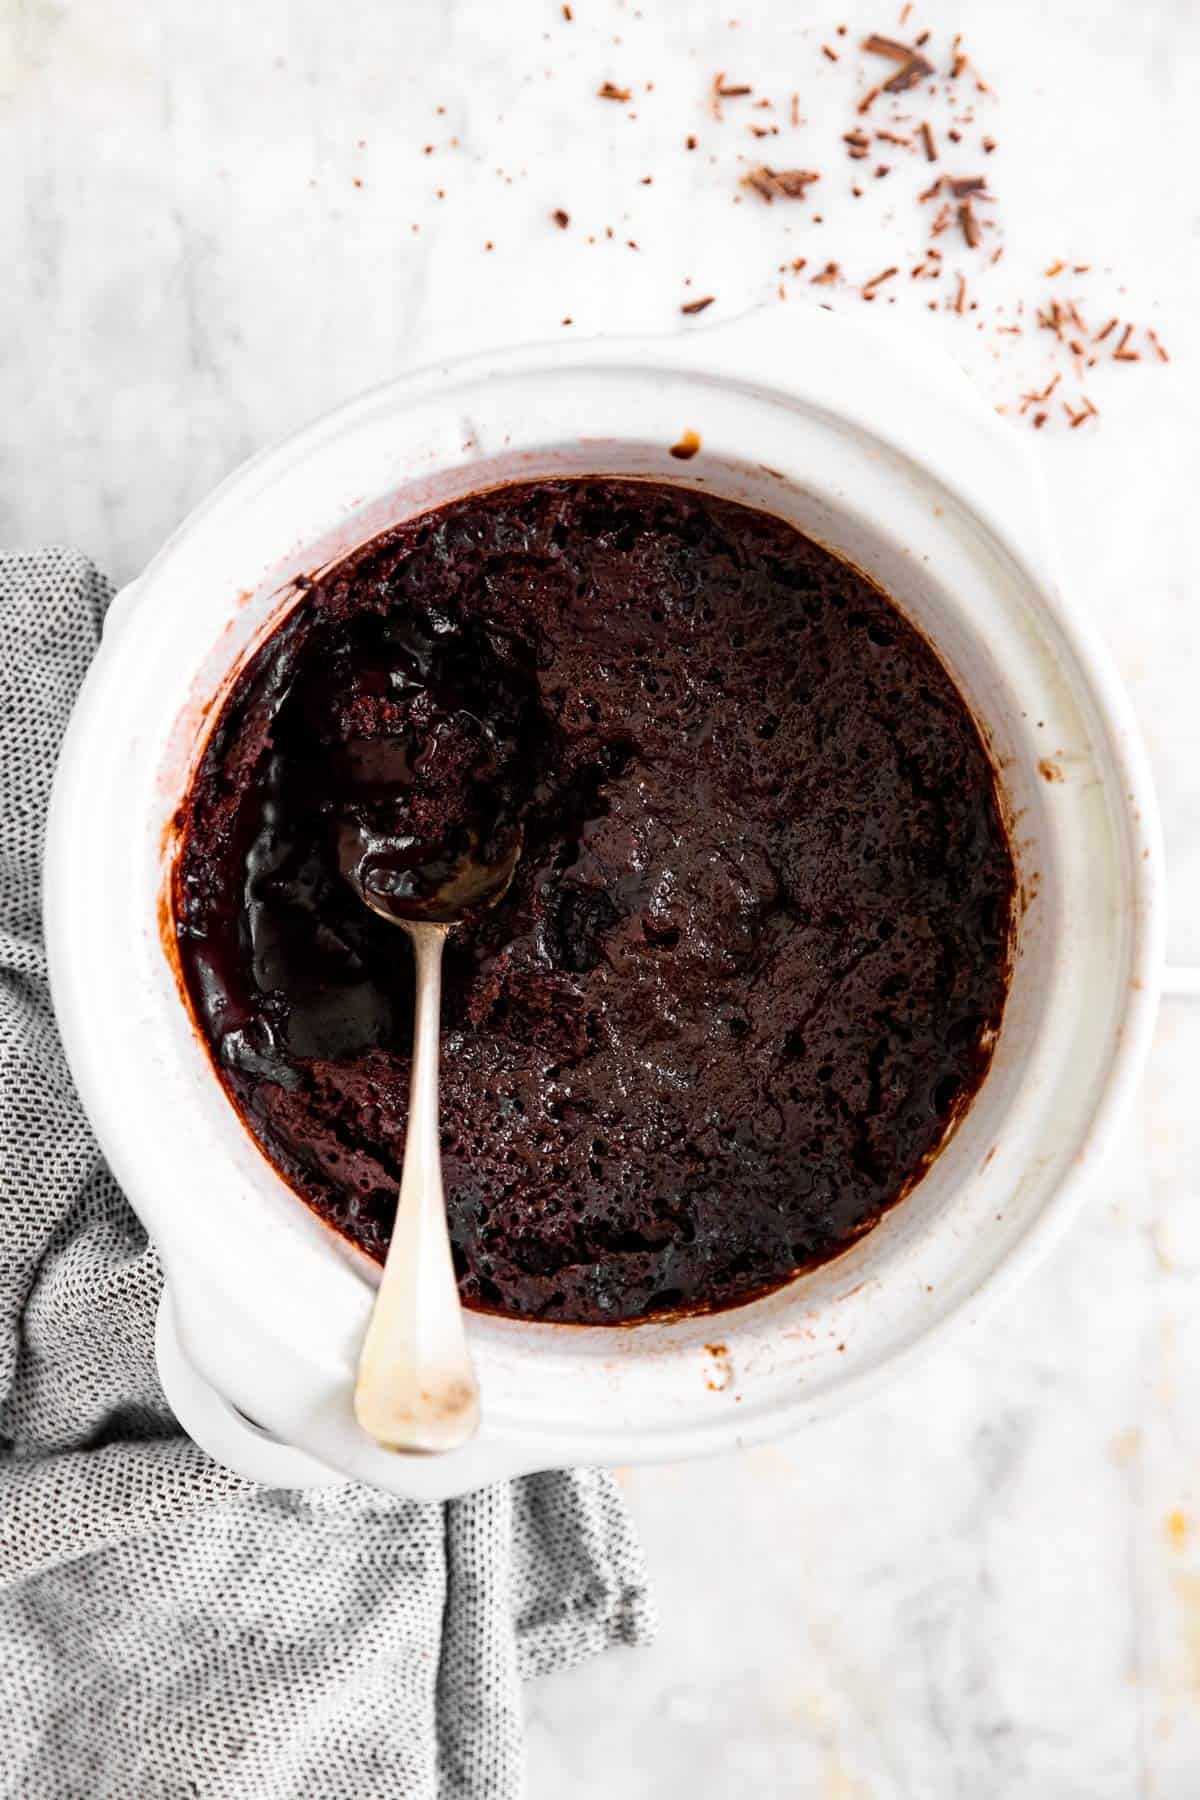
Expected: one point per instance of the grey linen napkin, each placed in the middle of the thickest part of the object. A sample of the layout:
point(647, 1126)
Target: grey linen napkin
point(168, 1628)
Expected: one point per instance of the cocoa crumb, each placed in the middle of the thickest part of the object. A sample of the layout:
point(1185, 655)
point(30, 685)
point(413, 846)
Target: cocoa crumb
point(609, 90)
point(561, 219)
point(567, 14)
point(989, 144)
point(795, 113)
point(828, 274)
point(690, 143)
point(1039, 419)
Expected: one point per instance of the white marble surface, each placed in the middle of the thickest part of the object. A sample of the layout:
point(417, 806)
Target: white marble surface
point(986, 1582)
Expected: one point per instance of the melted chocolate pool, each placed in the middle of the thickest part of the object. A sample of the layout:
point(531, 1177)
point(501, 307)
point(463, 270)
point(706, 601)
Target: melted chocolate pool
point(755, 949)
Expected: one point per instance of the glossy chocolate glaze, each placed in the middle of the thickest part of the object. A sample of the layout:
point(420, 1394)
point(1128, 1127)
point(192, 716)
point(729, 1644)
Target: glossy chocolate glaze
point(755, 949)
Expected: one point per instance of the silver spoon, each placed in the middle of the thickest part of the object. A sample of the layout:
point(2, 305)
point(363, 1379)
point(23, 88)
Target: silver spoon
point(416, 1387)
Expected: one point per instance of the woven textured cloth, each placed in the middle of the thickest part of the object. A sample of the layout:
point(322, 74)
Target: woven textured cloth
point(167, 1628)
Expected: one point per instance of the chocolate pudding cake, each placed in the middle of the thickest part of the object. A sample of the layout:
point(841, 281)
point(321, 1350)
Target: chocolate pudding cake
point(755, 950)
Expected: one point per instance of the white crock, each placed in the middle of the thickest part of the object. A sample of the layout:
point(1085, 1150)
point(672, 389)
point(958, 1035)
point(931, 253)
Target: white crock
point(880, 451)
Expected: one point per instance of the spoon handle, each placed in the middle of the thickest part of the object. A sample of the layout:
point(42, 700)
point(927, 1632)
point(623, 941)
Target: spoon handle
point(416, 1387)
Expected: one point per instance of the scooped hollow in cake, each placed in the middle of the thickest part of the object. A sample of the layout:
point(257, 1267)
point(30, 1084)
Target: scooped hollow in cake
point(755, 950)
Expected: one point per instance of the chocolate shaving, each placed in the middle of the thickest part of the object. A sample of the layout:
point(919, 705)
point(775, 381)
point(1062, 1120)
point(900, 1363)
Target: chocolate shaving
point(1122, 353)
point(962, 186)
point(697, 306)
point(960, 298)
point(567, 14)
point(1101, 335)
point(927, 141)
point(1036, 398)
point(795, 109)
point(913, 71)
point(869, 287)
point(969, 225)
point(829, 273)
point(1052, 319)
point(788, 184)
point(868, 100)
point(609, 90)
point(730, 90)
point(831, 54)
point(893, 137)
point(878, 45)
point(1159, 349)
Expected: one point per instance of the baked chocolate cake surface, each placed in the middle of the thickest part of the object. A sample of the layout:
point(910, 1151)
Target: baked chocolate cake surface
point(756, 946)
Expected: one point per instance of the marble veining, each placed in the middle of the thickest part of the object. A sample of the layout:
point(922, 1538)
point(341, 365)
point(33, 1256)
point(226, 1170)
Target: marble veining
point(986, 1581)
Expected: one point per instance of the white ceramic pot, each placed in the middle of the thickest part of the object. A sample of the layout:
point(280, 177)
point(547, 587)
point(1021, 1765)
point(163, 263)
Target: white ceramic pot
point(874, 448)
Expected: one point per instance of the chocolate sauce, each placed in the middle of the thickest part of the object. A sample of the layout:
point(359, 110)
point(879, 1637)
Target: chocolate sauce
point(754, 951)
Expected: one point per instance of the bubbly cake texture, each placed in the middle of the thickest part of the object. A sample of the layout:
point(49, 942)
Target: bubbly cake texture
point(755, 952)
